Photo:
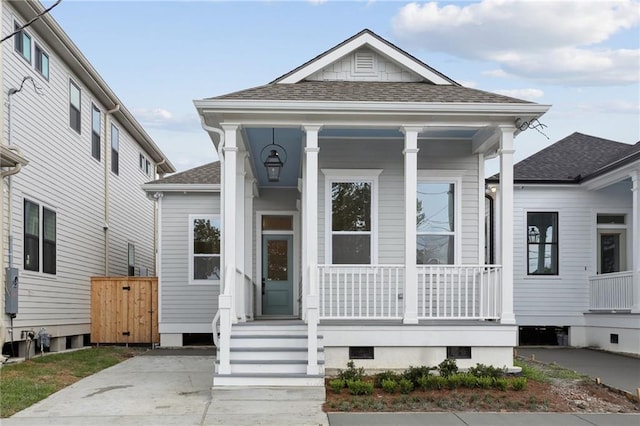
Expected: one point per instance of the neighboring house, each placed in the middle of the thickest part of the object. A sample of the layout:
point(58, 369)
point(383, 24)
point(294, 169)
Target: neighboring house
point(77, 209)
point(364, 240)
point(576, 247)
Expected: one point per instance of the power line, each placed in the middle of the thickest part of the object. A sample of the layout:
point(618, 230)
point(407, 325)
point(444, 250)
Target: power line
point(35, 18)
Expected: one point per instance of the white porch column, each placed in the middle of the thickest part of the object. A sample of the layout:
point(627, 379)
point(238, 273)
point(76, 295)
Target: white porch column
point(410, 206)
point(310, 263)
point(506, 223)
point(635, 179)
point(239, 238)
point(228, 268)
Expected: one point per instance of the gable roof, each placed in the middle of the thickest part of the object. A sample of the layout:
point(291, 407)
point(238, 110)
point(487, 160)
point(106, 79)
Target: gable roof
point(208, 174)
point(574, 159)
point(368, 38)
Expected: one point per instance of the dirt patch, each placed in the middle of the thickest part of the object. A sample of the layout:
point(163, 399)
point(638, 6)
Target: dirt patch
point(550, 395)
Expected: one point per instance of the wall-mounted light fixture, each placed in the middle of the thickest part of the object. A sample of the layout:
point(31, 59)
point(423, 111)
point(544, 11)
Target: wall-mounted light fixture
point(276, 159)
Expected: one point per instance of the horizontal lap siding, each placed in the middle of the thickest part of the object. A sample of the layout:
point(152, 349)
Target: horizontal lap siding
point(62, 175)
point(539, 300)
point(182, 302)
point(387, 155)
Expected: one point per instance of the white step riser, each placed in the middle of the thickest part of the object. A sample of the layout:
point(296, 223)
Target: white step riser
point(302, 331)
point(266, 381)
point(276, 342)
point(268, 368)
point(272, 355)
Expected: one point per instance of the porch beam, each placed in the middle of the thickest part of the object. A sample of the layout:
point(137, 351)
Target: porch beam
point(506, 222)
point(310, 261)
point(635, 180)
point(410, 208)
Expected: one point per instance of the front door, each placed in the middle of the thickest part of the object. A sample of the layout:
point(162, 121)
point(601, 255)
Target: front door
point(277, 275)
point(611, 250)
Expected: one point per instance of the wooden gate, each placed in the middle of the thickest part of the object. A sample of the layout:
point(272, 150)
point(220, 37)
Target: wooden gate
point(124, 310)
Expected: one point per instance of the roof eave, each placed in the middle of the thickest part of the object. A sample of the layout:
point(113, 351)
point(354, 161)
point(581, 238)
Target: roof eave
point(180, 187)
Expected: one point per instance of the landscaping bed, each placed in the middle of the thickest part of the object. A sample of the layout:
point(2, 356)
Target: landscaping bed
point(547, 388)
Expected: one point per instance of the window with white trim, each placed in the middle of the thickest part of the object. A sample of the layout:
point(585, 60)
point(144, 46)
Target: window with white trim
point(74, 106)
point(22, 42)
point(204, 249)
point(115, 149)
point(39, 238)
point(437, 218)
point(41, 62)
point(96, 128)
point(352, 205)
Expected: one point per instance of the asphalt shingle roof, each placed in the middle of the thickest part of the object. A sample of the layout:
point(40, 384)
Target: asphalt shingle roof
point(206, 174)
point(368, 91)
point(573, 159)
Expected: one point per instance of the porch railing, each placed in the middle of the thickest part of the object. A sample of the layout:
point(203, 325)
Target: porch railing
point(376, 291)
point(361, 291)
point(459, 291)
point(611, 292)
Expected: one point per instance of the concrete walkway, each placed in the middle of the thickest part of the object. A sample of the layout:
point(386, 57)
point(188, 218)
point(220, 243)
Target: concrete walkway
point(175, 389)
point(618, 371)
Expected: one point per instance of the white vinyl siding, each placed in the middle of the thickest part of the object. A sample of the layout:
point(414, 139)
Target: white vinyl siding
point(62, 175)
point(182, 303)
point(562, 299)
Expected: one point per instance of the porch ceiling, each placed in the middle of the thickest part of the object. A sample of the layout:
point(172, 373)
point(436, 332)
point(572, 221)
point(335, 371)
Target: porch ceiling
point(292, 140)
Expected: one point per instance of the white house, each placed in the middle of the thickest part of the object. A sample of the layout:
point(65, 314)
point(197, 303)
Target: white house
point(576, 248)
point(364, 239)
point(76, 209)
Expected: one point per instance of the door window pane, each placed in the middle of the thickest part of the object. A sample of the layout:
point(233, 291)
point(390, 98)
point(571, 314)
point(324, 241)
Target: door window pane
point(277, 260)
point(609, 253)
point(277, 223)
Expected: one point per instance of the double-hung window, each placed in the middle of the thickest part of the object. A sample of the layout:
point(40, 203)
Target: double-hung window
point(42, 62)
point(96, 128)
point(204, 249)
point(542, 243)
point(437, 219)
point(115, 149)
point(39, 238)
point(351, 210)
point(22, 43)
point(74, 106)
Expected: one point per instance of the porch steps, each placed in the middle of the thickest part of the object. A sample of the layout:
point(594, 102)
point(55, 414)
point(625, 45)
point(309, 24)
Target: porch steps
point(270, 353)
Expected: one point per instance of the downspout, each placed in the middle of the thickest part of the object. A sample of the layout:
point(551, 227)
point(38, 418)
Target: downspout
point(156, 230)
point(107, 145)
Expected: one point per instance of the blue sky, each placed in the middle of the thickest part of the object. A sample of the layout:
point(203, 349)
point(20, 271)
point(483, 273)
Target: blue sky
point(583, 57)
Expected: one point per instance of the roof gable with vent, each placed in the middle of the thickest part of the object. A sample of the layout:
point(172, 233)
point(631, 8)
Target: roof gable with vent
point(357, 58)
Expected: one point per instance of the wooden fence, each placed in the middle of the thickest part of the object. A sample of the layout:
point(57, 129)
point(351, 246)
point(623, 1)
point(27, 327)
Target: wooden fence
point(124, 310)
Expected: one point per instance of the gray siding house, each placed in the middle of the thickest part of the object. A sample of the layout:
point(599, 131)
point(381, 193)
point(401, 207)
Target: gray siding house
point(576, 243)
point(347, 222)
point(77, 209)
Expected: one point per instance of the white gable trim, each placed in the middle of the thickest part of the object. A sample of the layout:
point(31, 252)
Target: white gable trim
point(375, 44)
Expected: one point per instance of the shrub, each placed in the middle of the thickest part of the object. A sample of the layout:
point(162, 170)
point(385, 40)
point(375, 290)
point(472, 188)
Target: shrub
point(448, 367)
point(431, 382)
point(380, 377)
point(406, 386)
point(481, 370)
point(484, 382)
point(454, 381)
point(389, 385)
point(415, 373)
point(469, 381)
point(500, 383)
point(518, 383)
point(336, 385)
point(359, 387)
point(351, 373)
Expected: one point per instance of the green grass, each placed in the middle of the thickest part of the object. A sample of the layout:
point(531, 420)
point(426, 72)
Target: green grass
point(24, 384)
point(530, 372)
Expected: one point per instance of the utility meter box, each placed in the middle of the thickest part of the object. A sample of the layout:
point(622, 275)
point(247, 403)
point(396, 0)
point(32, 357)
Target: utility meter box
point(11, 293)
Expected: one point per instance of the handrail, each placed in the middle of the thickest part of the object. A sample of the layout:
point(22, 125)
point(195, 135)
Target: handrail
point(216, 329)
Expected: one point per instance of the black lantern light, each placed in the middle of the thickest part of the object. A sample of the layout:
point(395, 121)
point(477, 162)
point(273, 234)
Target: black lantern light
point(533, 234)
point(273, 163)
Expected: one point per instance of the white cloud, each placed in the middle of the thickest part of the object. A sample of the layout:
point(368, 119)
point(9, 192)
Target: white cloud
point(160, 118)
point(495, 73)
point(316, 2)
point(615, 106)
point(526, 38)
point(526, 94)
